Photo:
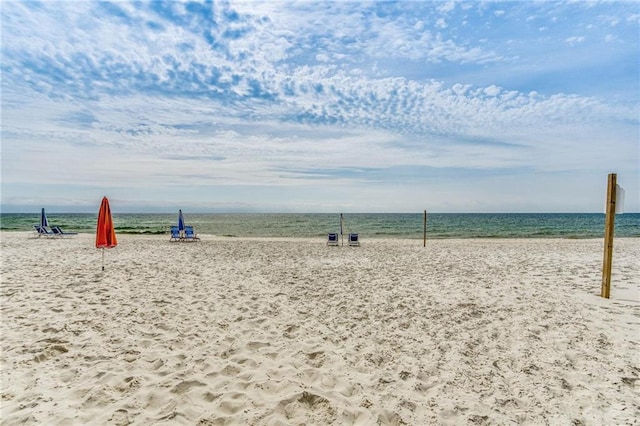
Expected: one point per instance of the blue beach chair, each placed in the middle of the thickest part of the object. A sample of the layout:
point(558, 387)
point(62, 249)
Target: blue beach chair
point(189, 234)
point(42, 231)
point(332, 239)
point(175, 234)
point(353, 240)
point(60, 233)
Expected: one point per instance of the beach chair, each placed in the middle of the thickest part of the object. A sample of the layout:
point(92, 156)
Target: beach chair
point(353, 240)
point(189, 234)
point(332, 239)
point(175, 234)
point(42, 231)
point(60, 233)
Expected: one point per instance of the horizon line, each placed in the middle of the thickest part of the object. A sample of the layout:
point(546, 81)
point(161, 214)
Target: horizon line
point(309, 212)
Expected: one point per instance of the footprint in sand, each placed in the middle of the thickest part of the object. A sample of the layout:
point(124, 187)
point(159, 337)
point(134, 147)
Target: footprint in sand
point(129, 385)
point(316, 359)
point(232, 402)
point(311, 407)
point(50, 352)
point(131, 355)
point(120, 418)
point(230, 371)
point(183, 387)
point(252, 346)
point(289, 332)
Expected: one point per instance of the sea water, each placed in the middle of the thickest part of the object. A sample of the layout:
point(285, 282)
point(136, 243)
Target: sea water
point(368, 225)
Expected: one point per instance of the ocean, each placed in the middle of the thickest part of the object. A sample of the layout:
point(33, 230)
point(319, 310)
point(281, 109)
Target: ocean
point(373, 225)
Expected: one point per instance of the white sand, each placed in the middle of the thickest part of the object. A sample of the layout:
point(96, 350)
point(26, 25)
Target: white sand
point(288, 331)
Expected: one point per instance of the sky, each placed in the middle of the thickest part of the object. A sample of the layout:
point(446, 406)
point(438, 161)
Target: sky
point(310, 106)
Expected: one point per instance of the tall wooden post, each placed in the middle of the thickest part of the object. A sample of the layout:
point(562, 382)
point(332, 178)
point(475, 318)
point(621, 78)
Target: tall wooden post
point(424, 234)
point(609, 225)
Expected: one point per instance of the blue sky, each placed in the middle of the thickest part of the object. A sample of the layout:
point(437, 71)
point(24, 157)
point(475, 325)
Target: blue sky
point(311, 106)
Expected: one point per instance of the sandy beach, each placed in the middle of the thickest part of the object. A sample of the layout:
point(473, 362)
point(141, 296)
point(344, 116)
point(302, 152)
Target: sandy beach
point(291, 332)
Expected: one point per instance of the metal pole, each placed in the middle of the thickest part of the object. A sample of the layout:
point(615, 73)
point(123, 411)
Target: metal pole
point(424, 235)
point(609, 226)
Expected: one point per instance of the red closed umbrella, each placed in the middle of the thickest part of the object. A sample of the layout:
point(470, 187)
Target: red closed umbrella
point(105, 232)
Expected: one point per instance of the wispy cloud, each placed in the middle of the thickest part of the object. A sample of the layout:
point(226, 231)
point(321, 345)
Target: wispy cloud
point(574, 40)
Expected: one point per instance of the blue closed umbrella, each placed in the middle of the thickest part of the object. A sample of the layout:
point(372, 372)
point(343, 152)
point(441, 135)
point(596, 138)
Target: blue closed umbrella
point(43, 219)
point(180, 221)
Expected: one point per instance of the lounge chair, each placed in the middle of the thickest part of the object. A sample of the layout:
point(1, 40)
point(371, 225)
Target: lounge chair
point(175, 234)
point(42, 231)
point(190, 235)
point(353, 240)
point(59, 232)
point(332, 239)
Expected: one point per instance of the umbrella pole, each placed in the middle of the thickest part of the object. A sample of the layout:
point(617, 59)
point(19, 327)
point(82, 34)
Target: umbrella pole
point(103, 258)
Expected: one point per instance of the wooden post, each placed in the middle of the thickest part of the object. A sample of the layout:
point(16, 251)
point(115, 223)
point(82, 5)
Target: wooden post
point(609, 226)
point(424, 235)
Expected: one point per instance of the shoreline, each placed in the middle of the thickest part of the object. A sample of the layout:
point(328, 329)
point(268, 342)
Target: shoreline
point(214, 237)
point(264, 330)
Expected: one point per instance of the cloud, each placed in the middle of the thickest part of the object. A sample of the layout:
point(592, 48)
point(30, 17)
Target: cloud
point(301, 94)
point(574, 40)
point(446, 7)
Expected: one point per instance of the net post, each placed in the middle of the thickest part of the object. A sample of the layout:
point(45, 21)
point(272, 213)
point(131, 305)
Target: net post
point(609, 226)
point(424, 230)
